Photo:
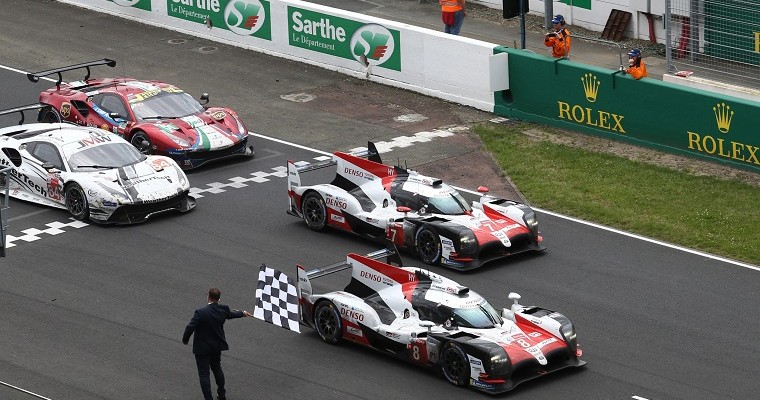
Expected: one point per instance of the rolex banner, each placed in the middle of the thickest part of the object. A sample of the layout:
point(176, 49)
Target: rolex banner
point(646, 112)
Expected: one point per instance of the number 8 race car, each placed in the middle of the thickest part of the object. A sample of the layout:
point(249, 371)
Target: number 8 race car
point(418, 213)
point(432, 321)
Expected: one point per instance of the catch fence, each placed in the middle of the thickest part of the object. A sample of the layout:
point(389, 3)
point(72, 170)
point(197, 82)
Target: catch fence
point(715, 39)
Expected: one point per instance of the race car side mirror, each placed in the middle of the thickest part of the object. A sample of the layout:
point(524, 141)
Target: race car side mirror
point(483, 189)
point(515, 306)
point(204, 99)
point(428, 325)
point(403, 209)
point(48, 166)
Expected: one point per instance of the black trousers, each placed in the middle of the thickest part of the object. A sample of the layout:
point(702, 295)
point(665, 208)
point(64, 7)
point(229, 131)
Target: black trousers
point(210, 363)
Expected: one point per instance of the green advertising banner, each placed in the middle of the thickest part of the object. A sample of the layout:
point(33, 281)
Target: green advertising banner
point(578, 3)
point(141, 4)
point(646, 112)
point(243, 17)
point(344, 38)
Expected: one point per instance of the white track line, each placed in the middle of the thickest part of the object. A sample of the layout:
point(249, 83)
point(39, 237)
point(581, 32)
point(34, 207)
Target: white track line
point(25, 391)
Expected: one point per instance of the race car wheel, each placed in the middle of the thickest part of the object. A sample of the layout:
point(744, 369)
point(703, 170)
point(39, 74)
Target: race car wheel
point(328, 323)
point(49, 114)
point(455, 365)
point(314, 211)
point(428, 246)
point(141, 141)
point(76, 202)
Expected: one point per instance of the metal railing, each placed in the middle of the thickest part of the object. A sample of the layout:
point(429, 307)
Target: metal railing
point(716, 39)
point(620, 48)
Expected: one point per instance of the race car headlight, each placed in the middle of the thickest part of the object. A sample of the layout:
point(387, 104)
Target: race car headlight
point(241, 127)
point(500, 364)
point(181, 176)
point(568, 332)
point(468, 244)
point(179, 141)
point(529, 217)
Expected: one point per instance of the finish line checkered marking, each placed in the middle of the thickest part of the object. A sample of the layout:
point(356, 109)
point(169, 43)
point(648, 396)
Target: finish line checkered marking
point(282, 172)
point(419, 137)
point(53, 228)
point(239, 182)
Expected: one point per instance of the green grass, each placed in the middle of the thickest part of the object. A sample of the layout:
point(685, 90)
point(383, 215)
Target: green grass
point(717, 216)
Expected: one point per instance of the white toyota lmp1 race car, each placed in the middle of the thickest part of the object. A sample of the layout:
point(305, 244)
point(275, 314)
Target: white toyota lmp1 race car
point(90, 172)
point(429, 320)
point(417, 212)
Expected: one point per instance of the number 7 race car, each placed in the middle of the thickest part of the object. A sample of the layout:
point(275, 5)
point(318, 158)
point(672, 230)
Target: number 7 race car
point(432, 321)
point(418, 213)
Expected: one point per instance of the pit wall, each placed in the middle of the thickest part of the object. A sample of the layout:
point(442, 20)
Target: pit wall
point(362, 46)
point(648, 112)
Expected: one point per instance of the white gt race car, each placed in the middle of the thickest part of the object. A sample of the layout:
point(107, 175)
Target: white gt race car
point(90, 172)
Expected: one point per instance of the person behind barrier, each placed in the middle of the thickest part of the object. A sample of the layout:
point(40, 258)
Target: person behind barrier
point(452, 14)
point(558, 38)
point(637, 68)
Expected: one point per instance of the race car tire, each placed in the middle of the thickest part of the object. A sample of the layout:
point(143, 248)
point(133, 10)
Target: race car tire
point(455, 364)
point(142, 142)
point(428, 246)
point(49, 114)
point(76, 202)
point(314, 211)
point(328, 323)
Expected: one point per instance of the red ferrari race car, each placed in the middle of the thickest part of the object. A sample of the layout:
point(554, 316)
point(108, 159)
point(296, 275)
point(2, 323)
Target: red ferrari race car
point(156, 117)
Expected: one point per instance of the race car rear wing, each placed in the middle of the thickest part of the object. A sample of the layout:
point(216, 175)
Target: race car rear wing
point(390, 253)
point(370, 152)
point(295, 168)
point(35, 77)
point(21, 111)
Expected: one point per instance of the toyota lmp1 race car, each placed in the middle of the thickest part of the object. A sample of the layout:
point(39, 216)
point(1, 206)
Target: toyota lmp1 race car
point(418, 213)
point(156, 117)
point(90, 172)
point(429, 320)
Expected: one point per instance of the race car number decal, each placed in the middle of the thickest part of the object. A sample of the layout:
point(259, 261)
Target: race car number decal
point(418, 351)
point(159, 164)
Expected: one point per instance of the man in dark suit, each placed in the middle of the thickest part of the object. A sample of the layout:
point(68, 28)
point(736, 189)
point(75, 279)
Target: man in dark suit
point(209, 342)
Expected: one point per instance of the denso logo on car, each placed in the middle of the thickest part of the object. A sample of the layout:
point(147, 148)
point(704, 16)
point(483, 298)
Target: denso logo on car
point(336, 203)
point(354, 172)
point(370, 276)
point(351, 314)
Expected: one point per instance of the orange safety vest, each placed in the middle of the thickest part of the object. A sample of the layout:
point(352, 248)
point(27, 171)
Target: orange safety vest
point(638, 72)
point(450, 5)
point(560, 44)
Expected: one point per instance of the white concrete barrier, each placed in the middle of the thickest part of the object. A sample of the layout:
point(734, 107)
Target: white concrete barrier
point(383, 51)
point(696, 82)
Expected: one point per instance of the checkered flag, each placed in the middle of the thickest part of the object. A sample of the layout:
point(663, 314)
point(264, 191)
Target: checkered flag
point(276, 299)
